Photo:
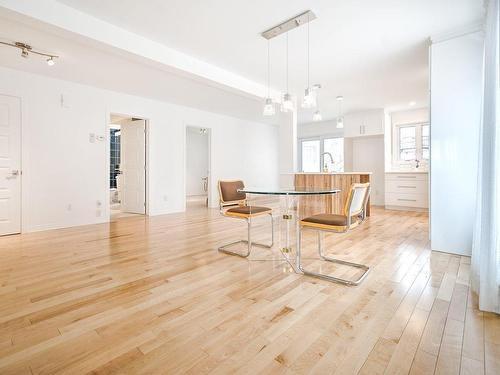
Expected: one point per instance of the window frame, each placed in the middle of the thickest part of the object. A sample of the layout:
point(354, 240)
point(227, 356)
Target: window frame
point(396, 151)
point(321, 140)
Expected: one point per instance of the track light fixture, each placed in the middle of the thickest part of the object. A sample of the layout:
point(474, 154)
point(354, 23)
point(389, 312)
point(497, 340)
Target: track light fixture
point(26, 50)
point(310, 93)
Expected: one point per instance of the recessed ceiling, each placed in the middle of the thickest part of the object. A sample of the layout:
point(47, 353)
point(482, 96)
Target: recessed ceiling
point(374, 53)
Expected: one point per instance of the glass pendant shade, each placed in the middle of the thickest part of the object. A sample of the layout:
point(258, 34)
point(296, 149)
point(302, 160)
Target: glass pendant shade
point(287, 103)
point(309, 100)
point(269, 107)
point(340, 122)
point(317, 116)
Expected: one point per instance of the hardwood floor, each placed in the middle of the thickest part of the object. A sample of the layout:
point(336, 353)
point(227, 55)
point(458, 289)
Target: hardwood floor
point(153, 296)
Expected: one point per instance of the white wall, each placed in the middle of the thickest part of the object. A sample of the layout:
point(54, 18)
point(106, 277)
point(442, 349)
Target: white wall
point(456, 78)
point(368, 156)
point(196, 161)
point(65, 177)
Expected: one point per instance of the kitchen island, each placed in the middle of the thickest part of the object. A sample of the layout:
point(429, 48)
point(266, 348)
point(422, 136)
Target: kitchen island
point(335, 203)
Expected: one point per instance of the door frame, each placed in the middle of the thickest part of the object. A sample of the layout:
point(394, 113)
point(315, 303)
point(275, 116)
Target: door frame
point(209, 152)
point(107, 208)
point(22, 224)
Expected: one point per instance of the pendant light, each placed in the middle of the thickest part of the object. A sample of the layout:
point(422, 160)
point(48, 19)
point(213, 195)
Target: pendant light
point(340, 116)
point(317, 114)
point(269, 105)
point(309, 100)
point(287, 103)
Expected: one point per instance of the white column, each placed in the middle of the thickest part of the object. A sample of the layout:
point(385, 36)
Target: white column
point(456, 76)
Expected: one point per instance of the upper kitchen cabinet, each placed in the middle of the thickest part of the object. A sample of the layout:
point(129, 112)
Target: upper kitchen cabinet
point(364, 123)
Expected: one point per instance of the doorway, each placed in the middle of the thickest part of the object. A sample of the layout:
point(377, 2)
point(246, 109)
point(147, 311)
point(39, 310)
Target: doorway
point(10, 165)
point(127, 166)
point(197, 167)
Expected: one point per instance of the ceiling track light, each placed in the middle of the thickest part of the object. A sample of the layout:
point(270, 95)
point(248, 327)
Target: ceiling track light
point(26, 50)
point(290, 24)
point(287, 103)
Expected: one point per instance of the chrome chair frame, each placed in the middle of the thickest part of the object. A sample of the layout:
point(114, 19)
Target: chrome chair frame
point(362, 217)
point(249, 242)
point(248, 219)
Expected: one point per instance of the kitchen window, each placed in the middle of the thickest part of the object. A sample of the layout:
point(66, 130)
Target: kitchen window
point(313, 157)
point(411, 143)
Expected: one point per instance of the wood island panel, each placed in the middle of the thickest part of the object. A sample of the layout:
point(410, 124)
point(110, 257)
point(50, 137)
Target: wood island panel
point(333, 203)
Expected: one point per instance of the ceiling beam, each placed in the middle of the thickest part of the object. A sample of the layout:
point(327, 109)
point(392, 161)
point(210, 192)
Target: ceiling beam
point(67, 18)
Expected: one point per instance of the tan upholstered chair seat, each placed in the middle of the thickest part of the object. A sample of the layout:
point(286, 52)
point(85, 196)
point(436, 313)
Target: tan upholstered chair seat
point(248, 210)
point(327, 219)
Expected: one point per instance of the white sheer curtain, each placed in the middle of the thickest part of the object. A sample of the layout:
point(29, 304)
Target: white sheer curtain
point(486, 242)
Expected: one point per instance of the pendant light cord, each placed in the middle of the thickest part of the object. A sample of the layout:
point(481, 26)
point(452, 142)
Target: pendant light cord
point(308, 52)
point(287, 62)
point(268, 69)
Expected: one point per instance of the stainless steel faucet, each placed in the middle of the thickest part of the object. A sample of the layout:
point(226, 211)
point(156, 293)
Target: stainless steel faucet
point(325, 168)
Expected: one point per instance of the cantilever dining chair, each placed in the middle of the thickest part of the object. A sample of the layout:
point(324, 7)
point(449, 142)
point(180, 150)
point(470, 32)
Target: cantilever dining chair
point(233, 203)
point(354, 214)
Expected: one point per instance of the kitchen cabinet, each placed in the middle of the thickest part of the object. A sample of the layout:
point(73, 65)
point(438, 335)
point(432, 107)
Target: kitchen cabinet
point(366, 123)
point(407, 191)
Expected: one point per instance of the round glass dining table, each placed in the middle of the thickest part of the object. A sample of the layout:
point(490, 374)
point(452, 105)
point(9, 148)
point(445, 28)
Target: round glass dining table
point(293, 203)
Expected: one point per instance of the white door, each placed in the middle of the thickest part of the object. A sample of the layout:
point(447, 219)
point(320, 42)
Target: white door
point(133, 166)
point(10, 165)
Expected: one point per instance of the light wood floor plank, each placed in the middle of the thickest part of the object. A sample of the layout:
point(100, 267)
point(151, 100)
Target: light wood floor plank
point(152, 296)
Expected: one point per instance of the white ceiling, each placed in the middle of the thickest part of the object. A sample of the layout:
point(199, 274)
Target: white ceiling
point(374, 53)
point(88, 62)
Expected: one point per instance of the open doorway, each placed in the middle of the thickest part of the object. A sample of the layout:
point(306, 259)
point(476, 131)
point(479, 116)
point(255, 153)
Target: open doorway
point(197, 167)
point(127, 163)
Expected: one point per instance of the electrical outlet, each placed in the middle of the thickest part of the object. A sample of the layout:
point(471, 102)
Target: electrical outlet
point(98, 213)
point(69, 207)
point(165, 198)
point(92, 137)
